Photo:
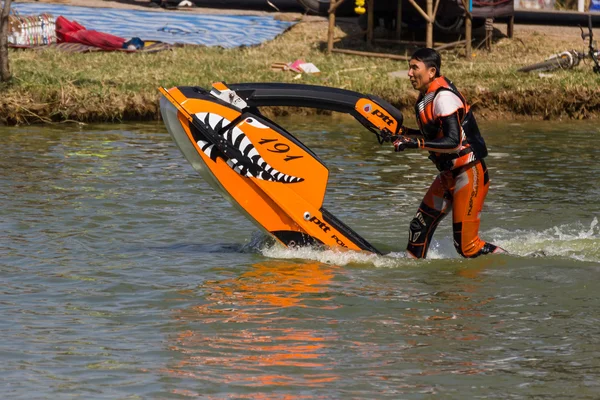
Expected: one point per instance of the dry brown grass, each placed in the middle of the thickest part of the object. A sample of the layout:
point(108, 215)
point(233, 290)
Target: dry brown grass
point(51, 86)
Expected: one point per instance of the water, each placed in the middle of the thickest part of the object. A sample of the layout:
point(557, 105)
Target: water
point(124, 276)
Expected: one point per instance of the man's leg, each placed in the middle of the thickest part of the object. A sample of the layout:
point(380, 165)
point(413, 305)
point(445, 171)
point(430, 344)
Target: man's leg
point(433, 209)
point(470, 189)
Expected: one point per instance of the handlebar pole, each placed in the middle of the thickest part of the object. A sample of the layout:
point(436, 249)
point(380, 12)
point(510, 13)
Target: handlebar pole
point(590, 34)
point(593, 51)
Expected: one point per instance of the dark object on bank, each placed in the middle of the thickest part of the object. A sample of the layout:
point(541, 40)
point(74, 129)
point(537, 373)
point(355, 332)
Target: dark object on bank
point(134, 44)
point(171, 4)
point(450, 16)
point(571, 58)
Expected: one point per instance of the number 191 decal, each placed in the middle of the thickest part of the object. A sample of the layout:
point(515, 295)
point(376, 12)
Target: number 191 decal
point(278, 147)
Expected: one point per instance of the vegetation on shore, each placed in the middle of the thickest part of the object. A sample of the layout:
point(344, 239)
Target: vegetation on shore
point(53, 86)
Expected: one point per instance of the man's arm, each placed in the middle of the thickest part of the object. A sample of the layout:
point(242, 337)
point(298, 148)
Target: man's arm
point(411, 132)
point(446, 108)
point(449, 143)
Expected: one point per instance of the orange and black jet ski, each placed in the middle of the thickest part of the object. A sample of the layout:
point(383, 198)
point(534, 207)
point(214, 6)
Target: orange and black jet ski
point(264, 171)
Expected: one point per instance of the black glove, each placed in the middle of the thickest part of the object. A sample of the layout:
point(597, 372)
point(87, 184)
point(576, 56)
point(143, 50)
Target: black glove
point(405, 142)
point(388, 137)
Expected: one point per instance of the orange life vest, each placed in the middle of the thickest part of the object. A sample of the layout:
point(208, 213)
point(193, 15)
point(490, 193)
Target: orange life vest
point(472, 144)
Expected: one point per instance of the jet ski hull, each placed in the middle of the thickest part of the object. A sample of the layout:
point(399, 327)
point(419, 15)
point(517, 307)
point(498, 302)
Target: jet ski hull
point(262, 170)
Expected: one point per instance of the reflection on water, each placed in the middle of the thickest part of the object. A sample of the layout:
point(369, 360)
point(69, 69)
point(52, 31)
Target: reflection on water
point(126, 276)
point(291, 324)
point(265, 337)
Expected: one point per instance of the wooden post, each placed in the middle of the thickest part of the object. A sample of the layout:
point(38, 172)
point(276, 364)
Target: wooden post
point(435, 10)
point(331, 30)
point(450, 45)
point(399, 20)
point(428, 16)
point(419, 10)
point(370, 21)
point(468, 30)
point(5, 74)
point(429, 36)
point(489, 32)
point(372, 54)
point(510, 26)
point(468, 36)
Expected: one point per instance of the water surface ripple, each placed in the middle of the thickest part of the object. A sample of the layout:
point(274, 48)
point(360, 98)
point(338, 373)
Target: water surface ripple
point(125, 276)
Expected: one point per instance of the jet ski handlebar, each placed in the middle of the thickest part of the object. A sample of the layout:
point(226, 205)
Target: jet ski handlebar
point(374, 113)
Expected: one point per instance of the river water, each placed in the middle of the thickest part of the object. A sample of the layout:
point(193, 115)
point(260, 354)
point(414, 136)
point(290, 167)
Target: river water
point(125, 276)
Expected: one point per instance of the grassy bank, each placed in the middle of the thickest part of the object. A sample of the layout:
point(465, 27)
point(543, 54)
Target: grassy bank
point(50, 86)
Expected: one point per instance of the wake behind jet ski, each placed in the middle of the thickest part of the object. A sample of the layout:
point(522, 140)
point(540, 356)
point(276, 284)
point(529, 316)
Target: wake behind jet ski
point(263, 170)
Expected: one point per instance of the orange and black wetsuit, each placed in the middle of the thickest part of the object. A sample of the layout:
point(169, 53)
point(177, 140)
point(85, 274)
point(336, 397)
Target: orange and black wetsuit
point(447, 129)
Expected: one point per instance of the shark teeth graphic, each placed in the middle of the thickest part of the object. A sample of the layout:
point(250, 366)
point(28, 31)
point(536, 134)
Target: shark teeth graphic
point(240, 141)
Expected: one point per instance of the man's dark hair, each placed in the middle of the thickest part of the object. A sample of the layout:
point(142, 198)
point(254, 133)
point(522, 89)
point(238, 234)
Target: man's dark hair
point(430, 58)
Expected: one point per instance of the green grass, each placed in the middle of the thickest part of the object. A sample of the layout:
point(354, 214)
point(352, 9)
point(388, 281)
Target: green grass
point(51, 86)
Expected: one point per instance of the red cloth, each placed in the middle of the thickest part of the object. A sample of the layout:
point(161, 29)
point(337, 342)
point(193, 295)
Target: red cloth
point(72, 32)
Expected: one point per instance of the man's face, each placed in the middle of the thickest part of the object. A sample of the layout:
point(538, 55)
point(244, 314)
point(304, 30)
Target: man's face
point(420, 76)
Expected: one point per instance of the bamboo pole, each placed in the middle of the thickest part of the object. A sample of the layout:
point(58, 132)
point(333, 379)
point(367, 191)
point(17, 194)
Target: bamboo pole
point(359, 35)
point(419, 9)
point(330, 28)
point(370, 21)
point(399, 20)
point(450, 45)
point(372, 54)
point(435, 9)
point(510, 27)
point(334, 5)
point(468, 36)
point(5, 74)
point(429, 36)
point(409, 42)
point(468, 30)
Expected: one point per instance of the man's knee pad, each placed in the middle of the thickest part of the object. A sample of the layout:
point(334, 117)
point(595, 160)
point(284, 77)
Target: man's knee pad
point(418, 228)
point(421, 230)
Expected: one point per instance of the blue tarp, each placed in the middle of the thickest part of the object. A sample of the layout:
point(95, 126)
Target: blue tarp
point(169, 27)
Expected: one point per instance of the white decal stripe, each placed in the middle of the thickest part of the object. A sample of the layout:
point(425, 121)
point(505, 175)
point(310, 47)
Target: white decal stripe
point(235, 132)
point(253, 153)
point(206, 147)
point(214, 119)
point(245, 143)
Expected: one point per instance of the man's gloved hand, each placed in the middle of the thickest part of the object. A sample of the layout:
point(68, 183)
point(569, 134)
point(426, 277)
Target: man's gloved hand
point(388, 137)
point(405, 142)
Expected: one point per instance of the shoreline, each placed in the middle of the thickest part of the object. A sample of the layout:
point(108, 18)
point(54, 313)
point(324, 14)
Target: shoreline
point(491, 106)
point(49, 86)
